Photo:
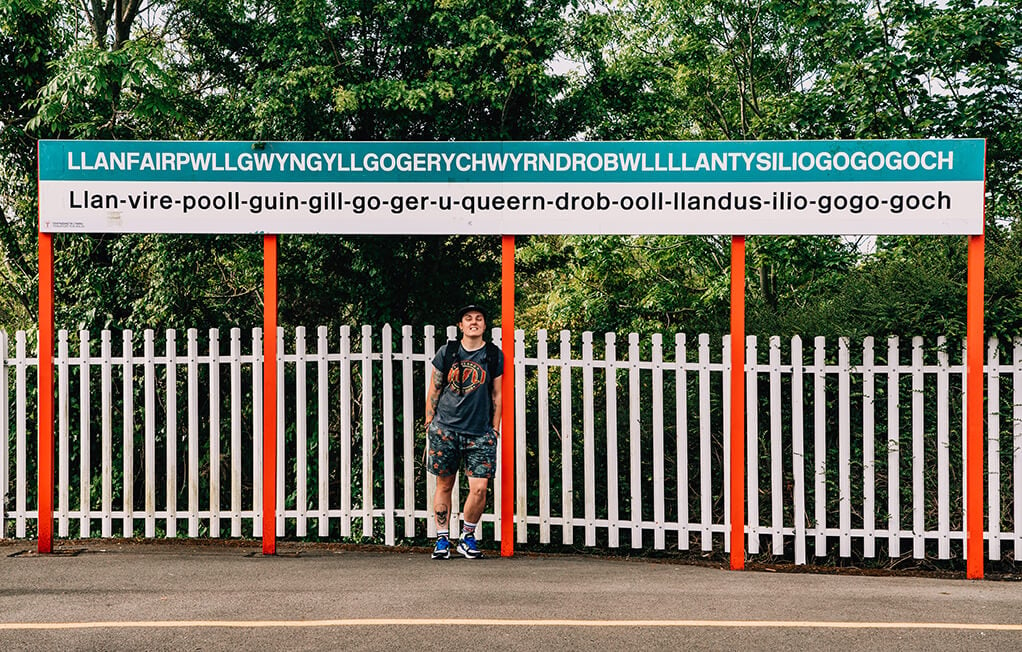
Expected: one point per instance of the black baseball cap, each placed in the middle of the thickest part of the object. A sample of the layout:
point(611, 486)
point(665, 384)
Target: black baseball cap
point(469, 308)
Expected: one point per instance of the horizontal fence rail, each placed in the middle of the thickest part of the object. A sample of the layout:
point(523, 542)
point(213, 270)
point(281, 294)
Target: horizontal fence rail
point(853, 449)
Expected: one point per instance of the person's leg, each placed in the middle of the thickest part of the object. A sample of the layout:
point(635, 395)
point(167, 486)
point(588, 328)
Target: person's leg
point(474, 506)
point(442, 502)
point(480, 462)
point(443, 463)
point(475, 503)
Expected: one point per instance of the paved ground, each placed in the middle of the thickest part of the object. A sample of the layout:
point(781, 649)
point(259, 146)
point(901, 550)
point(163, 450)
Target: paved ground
point(121, 596)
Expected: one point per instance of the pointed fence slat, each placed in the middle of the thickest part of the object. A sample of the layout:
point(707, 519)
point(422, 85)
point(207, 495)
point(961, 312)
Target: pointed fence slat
point(128, 434)
point(752, 444)
point(236, 452)
point(84, 437)
point(301, 434)
point(521, 446)
point(171, 437)
point(681, 430)
point(63, 433)
point(21, 477)
point(588, 439)
point(610, 379)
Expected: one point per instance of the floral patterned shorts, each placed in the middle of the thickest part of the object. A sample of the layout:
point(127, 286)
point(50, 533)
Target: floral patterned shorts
point(447, 450)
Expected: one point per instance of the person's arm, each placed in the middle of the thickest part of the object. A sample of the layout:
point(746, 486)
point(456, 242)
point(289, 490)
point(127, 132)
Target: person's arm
point(497, 396)
point(433, 395)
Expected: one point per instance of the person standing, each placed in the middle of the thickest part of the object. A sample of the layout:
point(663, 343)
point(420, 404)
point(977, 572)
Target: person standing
point(463, 409)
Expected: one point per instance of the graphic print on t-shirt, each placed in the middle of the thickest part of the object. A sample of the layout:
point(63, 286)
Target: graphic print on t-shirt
point(472, 376)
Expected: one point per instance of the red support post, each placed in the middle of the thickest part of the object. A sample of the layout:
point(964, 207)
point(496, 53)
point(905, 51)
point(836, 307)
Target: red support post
point(507, 419)
point(269, 394)
point(737, 402)
point(974, 410)
point(45, 367)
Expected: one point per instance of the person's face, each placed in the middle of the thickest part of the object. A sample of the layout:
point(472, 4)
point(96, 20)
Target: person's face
point(473, 323)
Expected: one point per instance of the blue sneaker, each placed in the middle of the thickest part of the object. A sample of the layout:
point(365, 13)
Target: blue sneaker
point(442, 550)
point(468, 548)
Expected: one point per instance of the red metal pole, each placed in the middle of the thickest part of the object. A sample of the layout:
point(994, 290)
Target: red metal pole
point(974, 410)
point(45, 448)
point(737, 402)
point(507, 419)
point(269, 394)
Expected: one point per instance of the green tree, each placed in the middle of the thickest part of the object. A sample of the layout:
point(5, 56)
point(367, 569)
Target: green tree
point(31, 34)
point(751, 69)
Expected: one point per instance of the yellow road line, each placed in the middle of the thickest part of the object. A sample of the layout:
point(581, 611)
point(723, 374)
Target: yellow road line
point(501, 622)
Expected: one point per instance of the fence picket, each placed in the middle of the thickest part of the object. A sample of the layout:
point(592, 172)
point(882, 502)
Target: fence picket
point(868, 448)
point(820, 444)
point(588, 438)
point(726, 456)
point(281, 449)
point(106, 435)
point(610, 381)
point(128, 434)
point(776, 451)
point(893, 450)
point(494, 509)
point(368, 482)
point(455, 520)
point(236, 394)
point(346, 430)
point(943, 453)
point(567, 480)
point(301, 436)
point(705, 424)
point(409, 423)
point(965, 444)
point(84, 436)
point(192, 362)
point(63, 433)
point(635, 444)
point(659, 475)
point(428, 370)
point(798, 458)
point(844, 447)
point(681, 435)
point(752, 524)
point(521, 450)
point(388, 436)
point(214, 433)
point(172, 432)
point(149, 453)
point(918, 450)
point(257, 431)
point(21, 477)
point(322, 431)
point(171, 438)
point(993, 451)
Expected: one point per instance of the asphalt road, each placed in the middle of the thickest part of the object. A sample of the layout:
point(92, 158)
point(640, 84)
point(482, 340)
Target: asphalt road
point(163, 596)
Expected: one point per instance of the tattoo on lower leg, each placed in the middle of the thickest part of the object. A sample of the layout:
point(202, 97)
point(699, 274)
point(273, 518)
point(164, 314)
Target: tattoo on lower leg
point(441, 517)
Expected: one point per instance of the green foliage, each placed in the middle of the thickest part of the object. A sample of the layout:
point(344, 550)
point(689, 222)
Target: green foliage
point(30, 36)
point(98, 93)
point(467, 69)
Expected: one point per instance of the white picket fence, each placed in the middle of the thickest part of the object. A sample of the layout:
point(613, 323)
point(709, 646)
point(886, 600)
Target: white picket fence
point(851, 451)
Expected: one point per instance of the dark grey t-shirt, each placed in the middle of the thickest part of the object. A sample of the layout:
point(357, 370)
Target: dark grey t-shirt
point(465, 404)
